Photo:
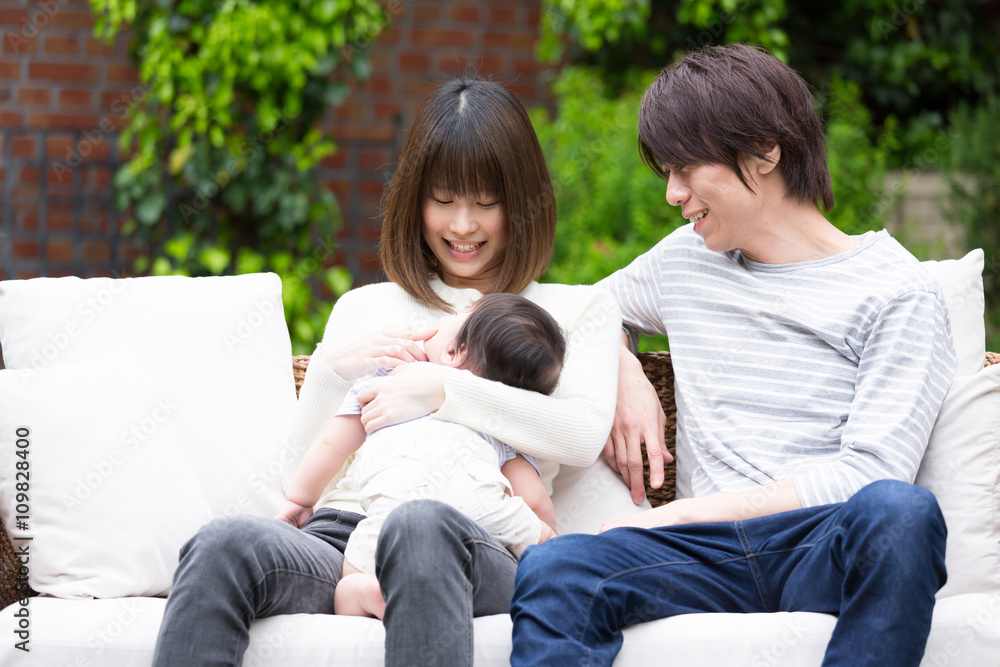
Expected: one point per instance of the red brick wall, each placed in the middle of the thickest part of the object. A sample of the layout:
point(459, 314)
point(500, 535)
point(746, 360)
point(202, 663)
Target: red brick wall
point(63, 95)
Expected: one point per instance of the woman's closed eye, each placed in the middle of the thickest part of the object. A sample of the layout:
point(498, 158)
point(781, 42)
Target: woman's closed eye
point(485, 202)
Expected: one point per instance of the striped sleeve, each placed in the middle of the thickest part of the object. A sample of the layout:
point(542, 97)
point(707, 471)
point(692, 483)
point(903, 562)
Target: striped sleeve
point(637, 289)
point(905, 370)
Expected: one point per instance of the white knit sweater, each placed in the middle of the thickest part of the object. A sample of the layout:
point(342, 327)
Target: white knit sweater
point(571, 426)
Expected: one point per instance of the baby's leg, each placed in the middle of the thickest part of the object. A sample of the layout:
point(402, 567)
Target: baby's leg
point(358, 594)
point(526, 483)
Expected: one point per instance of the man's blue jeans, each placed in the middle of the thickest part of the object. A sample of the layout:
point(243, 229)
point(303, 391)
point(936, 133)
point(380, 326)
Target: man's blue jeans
point(875, 561)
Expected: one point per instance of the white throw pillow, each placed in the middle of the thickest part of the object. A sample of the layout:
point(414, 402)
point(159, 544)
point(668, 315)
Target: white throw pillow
point(961, 281)
point(90, 470)
point(218, 346)
point(962, 469)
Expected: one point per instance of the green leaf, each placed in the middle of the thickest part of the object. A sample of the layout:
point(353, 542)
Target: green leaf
point(150, 207)
point(339, 280)
point(216, 259)
point(179, 157)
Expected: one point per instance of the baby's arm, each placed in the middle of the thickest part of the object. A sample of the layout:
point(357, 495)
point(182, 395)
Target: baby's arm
point(525, 483)
point(325, 456)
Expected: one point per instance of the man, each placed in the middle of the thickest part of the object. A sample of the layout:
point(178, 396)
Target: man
point(810, 367)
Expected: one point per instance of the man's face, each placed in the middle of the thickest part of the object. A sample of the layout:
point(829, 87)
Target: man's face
point(713, 197)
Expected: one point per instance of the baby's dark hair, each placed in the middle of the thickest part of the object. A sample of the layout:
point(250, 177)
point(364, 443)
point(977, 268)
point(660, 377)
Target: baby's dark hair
point(510, 339)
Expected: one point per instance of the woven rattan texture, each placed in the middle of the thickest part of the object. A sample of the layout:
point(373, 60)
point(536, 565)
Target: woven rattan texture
point(655, 364)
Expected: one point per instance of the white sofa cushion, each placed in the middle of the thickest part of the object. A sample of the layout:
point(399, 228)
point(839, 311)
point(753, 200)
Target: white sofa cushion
point(962, 469)
point(217, 347)
point(122, 633)
point(961, 282)
point(98, 482)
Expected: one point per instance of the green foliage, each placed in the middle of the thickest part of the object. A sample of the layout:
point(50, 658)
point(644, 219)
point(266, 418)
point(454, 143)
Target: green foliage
point(913, 60)
point(618, 35)
point(858, 166)
point(914, 57)
point(611, 206)
point(973, 171)
point(749, 21)
point(589, 23)
point(223, 135)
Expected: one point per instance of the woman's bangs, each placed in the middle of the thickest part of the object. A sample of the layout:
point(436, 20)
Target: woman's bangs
point(461, 163)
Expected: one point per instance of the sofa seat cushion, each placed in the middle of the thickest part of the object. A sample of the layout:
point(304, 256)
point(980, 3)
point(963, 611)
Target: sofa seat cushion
point(122, 633)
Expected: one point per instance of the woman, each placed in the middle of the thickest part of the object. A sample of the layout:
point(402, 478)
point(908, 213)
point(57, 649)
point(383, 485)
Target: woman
point(470, 210)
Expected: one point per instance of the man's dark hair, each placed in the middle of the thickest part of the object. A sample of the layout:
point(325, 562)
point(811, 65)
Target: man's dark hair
point(512, 340)
point(722, 103)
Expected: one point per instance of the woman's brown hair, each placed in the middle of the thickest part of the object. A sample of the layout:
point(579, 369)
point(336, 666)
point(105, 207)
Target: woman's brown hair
point(470, 137)
point(722, 103)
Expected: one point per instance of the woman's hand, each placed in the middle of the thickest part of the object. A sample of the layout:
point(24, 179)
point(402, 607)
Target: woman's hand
point(639, 419)
point(411, 391)
point(360, 356)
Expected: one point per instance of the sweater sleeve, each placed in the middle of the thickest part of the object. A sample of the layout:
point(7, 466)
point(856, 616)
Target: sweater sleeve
point(571, 426)
point(905, 371)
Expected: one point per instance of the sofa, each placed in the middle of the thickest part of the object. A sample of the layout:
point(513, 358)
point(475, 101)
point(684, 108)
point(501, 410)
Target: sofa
point(135, 410)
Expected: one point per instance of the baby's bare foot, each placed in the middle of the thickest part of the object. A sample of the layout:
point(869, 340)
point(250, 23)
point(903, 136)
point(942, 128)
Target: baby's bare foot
point(372, 599)
point(359, 595)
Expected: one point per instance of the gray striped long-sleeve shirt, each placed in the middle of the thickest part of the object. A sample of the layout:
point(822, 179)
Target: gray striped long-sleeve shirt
point(828, 372)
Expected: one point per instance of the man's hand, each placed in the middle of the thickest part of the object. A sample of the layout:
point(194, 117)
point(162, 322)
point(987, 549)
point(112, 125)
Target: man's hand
point(639, 419)
point(732, 506)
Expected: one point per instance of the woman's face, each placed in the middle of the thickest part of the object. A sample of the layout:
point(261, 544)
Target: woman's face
point(467, 236)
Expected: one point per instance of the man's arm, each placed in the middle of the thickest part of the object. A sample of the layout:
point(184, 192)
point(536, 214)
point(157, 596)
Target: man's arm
point(904, 373)
point(639, 419)
point(734, 506)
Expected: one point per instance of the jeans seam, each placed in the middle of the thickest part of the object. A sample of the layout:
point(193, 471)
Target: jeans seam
point(468, 541)
point(631, 570)
point(284, 570)
point(754, 567)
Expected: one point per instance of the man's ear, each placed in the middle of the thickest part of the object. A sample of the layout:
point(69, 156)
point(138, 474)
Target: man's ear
point(772, 156)
point(454, 357)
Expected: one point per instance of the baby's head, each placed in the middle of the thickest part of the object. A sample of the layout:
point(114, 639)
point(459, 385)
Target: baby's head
point(502, 337)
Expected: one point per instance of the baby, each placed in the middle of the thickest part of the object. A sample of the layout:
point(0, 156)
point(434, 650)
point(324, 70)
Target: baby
point(501, 337)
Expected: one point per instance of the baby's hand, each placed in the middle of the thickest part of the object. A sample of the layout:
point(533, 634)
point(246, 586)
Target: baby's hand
point(295, 514)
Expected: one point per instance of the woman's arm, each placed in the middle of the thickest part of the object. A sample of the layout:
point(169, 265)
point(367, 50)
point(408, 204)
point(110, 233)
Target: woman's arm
point(571, 426)
point(354, 345)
